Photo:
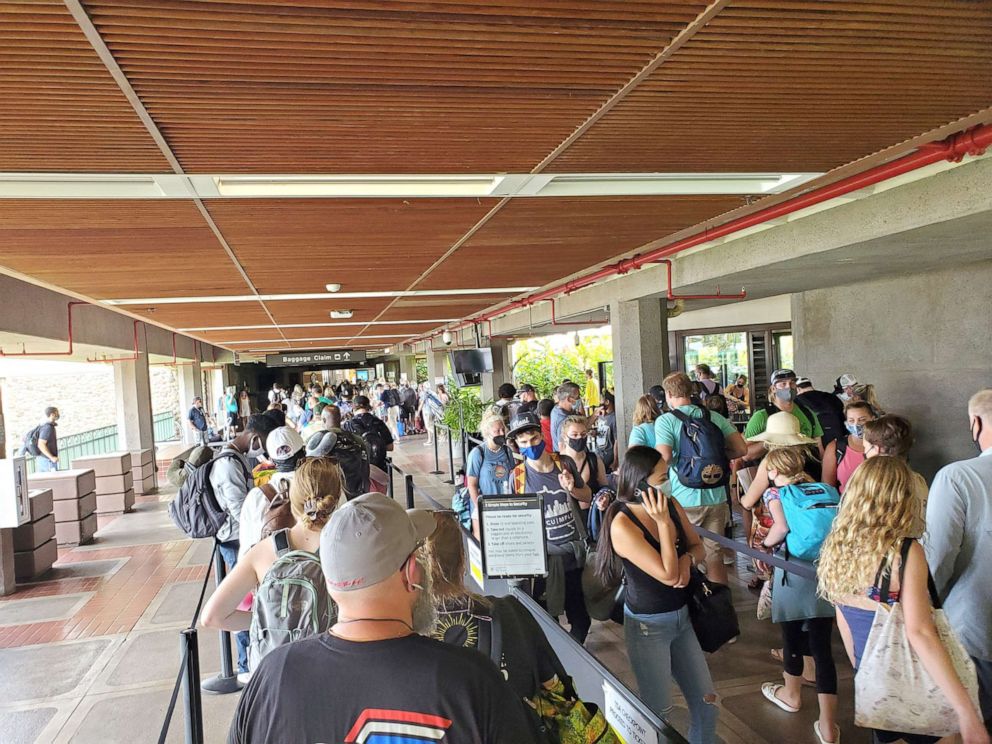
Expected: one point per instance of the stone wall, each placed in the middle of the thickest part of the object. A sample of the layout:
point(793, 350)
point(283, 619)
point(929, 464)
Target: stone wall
point(83, 393)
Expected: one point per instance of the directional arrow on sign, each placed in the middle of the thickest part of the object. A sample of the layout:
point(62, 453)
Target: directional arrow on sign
point(347, 356)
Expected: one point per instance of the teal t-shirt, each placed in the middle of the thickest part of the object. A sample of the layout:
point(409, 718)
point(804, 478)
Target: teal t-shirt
point(667, 431)
point(642, 435)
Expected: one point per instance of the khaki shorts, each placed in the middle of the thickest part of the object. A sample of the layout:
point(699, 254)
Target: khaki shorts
point(713, 518)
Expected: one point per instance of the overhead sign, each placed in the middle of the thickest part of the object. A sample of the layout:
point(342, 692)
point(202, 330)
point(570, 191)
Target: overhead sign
point(513, 536)
point(312, 358)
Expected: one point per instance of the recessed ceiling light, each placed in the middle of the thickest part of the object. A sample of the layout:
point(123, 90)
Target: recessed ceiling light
point(333, 287)
point(342, 313)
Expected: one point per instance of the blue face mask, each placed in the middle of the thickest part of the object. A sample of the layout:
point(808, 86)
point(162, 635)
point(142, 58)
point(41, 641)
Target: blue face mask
point(533, 452)
point(786, 395)
point(857, 430)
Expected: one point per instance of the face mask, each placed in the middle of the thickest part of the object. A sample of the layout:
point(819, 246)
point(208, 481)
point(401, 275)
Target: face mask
point(579, 445)
point(978, 436)
point(785, 395)
point(857, 430)
point(534, 452)
point(499, 440)
point(256, 452)
point(665, 488)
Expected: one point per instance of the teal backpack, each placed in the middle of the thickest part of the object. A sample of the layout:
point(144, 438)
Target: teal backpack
point(810, 509)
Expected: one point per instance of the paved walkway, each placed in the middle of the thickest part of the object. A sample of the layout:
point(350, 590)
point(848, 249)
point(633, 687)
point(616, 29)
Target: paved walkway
point(90, 652)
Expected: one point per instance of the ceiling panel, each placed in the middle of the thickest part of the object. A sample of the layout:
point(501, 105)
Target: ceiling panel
point(116, 249)
point(414, 87)
point(535, 241)
point(60, 110)
point(779, 86)
point(203, 314)
point(299, 245)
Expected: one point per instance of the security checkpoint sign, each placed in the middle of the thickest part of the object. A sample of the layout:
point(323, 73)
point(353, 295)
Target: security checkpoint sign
point(314, 358)
point(629, 723)
point(513, 538)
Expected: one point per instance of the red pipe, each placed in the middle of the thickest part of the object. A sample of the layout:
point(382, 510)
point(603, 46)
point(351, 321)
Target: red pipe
point(670, 295)
point(24, 352)
point(175, 358)
point(132, 358)
point(974, 141)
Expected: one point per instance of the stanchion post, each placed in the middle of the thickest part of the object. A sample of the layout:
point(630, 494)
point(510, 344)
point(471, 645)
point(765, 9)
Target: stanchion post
point(408, 482)
point(192, 703)
point(226, 681)
point(451, 457)
point(389, 471)
point(437, 461)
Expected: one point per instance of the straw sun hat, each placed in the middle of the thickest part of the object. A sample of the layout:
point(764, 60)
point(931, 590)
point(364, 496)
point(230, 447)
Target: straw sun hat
point(782, 429)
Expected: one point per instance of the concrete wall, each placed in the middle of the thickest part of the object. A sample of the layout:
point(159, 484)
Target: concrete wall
point(924, 341)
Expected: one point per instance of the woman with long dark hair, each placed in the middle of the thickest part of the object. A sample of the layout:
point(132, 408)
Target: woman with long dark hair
point(647, 533)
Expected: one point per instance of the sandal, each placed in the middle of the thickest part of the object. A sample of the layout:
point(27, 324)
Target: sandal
point(769, 690)
point(819, 738)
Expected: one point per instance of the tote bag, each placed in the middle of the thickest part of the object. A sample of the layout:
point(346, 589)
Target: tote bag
point(892, 689)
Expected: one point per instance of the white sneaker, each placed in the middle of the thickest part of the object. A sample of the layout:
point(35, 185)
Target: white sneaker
point(244, 677)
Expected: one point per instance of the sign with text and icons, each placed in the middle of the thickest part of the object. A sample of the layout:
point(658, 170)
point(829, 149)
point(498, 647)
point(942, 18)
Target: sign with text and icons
point(314, 358)
point(513, 537)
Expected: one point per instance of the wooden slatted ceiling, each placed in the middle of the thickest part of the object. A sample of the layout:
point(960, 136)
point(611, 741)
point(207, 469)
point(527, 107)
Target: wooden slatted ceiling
point(204, 314)
point(299, 245)
point(60, 110)
point(779, 85)
point(378, 87)
point(116, 249)
point(534, 241)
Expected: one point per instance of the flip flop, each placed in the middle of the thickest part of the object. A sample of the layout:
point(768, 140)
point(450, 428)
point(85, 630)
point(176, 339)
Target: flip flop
point(768, 689)
point(819, 738)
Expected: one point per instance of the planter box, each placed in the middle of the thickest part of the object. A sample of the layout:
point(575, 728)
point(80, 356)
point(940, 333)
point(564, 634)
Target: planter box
point(146, 485)
point(41, 503)
point(72, 510)
point(65, 484)
point(142, 457)
point(114, 503)
point(76, 533)
point(31, 563)
point(114, 483)
point(33, 535)
point(113, 463)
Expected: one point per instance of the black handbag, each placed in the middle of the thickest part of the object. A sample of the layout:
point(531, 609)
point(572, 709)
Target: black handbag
point(712, 613)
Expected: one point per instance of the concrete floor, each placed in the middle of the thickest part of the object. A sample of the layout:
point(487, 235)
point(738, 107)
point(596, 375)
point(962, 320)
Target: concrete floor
point(90, 652)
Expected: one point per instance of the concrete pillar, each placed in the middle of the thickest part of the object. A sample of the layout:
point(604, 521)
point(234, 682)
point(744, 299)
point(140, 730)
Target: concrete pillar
point(501, 369)
point(134, 401)
point(640, 354)
point(408, 368)
point(190, 379)
point(436, 367)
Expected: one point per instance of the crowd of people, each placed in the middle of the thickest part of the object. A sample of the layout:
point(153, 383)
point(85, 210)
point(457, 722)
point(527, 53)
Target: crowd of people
point(820, 478)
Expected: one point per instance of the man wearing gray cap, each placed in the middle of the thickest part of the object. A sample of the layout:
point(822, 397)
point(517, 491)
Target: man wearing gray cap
point(372, 675)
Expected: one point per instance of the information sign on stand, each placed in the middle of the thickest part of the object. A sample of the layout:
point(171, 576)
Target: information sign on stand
point(513, 539)
point(475, 564)
point(626, 719)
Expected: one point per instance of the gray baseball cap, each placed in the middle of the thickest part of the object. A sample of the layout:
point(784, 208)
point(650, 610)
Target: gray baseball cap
point(368, 539)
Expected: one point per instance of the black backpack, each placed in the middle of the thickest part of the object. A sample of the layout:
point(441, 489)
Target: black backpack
point(30, 444)
point(702, 461)
point(195, 509)
point(367, 430)
point(353, 457)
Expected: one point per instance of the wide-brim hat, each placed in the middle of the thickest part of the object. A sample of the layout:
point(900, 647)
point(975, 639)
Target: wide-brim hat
point(782, 429)
point(523, 421)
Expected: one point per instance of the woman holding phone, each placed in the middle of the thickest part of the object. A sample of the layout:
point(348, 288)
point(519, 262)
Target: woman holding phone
point(647, 533)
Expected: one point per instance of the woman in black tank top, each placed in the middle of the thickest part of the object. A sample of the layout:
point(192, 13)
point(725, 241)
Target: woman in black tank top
point(648, 537)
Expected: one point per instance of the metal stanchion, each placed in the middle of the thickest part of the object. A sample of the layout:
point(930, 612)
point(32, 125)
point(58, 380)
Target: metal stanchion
point(451, 458)
point(192, 704)
point(437, 462)
point(389, 470)
point(227, 680)
point(408, 482)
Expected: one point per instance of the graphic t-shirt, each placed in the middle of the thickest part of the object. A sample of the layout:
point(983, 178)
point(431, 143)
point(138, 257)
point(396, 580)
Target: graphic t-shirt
point(559, 517)
point(379, 692)
point(493, 469)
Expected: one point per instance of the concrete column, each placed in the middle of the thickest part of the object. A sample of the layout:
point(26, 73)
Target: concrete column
point(640, 354)
point(408, 367)
point(436, 367)
point(501, 369)
point(190, 379)
point(134, 401)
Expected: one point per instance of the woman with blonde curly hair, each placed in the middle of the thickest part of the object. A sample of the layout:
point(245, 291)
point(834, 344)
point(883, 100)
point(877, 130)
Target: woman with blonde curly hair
point(874, 543)
point(314, 493)
point(490, 465)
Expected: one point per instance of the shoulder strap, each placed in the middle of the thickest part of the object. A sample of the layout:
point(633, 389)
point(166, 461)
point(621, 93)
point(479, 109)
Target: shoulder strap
point(280, 541)
point(809, 414)
point(652, 540)
point(907, 543)
point(520, 478)
point(841, 445)
point(268, 490)
point(680, 415)
point(495, 635)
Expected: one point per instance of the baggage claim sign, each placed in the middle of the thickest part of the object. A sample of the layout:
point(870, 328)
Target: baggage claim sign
point(316, 358)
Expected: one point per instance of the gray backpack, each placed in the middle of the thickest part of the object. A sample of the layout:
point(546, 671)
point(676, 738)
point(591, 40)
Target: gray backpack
point(291, 602)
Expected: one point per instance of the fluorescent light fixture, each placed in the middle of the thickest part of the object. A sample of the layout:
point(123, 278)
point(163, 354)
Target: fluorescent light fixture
point(342, 313)
point(322, 338)
point(397, 186)
point(333, 287)
point(319, 325)
point(318, 296)
point(671, 184)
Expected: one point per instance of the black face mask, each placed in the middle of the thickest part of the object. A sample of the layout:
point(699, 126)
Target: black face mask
point(579, 445)
point(978, 436)
point(499, 440)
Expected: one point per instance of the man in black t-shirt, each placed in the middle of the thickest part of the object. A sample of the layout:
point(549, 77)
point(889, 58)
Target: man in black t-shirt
point(372, 677)
point(48, 443)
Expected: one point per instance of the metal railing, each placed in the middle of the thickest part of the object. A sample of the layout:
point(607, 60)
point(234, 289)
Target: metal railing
point(165, 426)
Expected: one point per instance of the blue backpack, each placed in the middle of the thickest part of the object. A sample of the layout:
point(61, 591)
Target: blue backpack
point(461, 505)
point(702, 460)
point(810, 509)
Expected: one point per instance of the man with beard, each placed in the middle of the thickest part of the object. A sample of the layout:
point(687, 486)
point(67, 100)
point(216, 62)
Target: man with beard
point(372, 675)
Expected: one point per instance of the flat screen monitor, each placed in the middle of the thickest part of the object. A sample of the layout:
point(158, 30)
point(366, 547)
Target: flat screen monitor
point(472, 361)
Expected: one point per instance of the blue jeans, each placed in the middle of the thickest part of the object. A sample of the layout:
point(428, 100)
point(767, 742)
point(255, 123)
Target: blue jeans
point(663, 646)
point(43, 465)
point(229, 552)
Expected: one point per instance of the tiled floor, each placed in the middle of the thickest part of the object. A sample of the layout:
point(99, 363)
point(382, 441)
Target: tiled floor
point(89, 653)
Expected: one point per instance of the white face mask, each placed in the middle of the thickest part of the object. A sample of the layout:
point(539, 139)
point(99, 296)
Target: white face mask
point(256, 452)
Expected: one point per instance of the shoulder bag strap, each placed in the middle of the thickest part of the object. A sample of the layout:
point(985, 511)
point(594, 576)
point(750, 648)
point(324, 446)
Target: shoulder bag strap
point(633, 518)
point(495, 636)
point(931, 585)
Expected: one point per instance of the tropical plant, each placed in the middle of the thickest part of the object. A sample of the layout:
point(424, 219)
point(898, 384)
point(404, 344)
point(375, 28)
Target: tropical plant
point(544, 364)
point(421, 369)
point(464, 409)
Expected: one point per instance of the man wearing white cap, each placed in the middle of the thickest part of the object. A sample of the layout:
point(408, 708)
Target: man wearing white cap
point(372, 677)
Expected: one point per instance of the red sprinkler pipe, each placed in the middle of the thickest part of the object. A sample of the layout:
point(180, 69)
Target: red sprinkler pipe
point(24, 352)
point(132, 358)
point(974, 141)
point(175, 358)
point(718, 296)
